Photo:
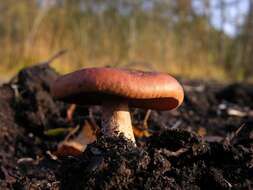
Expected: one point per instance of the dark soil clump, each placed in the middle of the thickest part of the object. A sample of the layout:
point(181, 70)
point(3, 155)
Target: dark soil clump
point(205, 144)
point(36, 107)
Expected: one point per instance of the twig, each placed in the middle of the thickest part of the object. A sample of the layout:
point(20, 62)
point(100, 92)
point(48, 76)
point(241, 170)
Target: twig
point(230, 137)
point(176, 125)
point(228, 183)
point(44, 63)
point(55, 56)
point(93, 121)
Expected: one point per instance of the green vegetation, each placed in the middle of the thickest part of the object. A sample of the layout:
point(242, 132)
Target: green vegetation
point(169, 37)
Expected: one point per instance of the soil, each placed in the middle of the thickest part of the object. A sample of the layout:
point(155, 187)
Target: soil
point(205, 144)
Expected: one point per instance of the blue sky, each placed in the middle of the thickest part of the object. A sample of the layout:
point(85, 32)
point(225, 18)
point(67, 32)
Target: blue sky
point(235, 12)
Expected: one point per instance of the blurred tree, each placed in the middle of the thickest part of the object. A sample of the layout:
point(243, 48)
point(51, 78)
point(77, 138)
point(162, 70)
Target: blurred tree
point(170, 35)
point(246, 45)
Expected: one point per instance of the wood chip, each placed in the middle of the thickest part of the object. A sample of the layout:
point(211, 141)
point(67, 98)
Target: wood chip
point(237, 113)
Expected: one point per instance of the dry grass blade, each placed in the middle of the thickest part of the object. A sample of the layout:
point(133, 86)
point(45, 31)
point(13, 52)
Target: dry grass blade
point(145, 121)
point(142, 131)
point(70, 112)
point(72, 132)
point(56, 132)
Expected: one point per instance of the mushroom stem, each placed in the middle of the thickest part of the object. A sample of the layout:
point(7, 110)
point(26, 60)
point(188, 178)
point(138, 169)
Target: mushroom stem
point(116, 119)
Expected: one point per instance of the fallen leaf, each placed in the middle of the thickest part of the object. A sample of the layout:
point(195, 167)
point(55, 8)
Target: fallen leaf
point(87, 135)
point(69, 148)
point(139, 133)
point(77, 145)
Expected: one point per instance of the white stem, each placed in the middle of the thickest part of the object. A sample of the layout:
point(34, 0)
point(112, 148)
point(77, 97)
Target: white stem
point(116, 119)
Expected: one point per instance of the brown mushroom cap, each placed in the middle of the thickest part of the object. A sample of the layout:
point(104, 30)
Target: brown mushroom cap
point(92, 86)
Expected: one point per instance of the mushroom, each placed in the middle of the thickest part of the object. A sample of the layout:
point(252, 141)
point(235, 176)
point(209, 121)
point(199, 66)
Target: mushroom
point(116, 90)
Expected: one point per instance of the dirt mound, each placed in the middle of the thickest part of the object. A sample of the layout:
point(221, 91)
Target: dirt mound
point(9, 132)
point(206, 144)
point(238, 93)
point(174, 159)
point(35, 106)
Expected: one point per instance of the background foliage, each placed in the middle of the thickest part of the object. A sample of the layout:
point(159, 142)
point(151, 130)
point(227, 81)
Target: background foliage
point(171, 36)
